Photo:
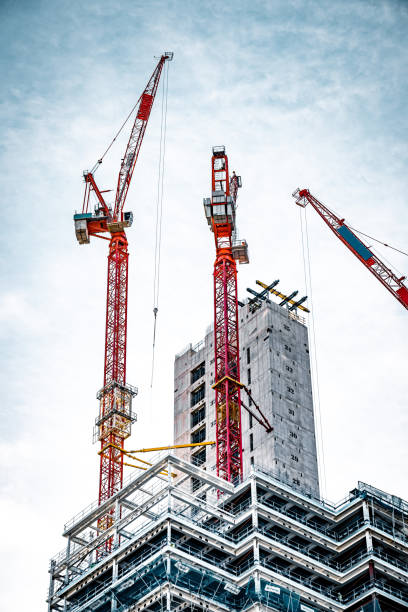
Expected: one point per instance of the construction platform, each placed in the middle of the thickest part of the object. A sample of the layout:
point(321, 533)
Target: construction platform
point(262, 545)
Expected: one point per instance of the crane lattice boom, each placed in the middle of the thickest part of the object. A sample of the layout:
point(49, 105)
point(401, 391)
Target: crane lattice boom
point(382, 272)
point(136, 136)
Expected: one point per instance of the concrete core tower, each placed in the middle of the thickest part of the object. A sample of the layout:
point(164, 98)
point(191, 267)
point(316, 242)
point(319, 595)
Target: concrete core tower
point(275, 366)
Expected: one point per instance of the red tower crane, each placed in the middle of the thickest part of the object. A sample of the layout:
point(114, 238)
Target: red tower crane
point(220, 212)
point(115, 418)
point(356, 246)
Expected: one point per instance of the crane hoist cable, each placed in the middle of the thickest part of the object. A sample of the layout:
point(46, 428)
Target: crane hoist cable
point(314, 368)
point(159, 214)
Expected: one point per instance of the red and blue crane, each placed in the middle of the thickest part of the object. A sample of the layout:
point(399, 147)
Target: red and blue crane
point(383, 273)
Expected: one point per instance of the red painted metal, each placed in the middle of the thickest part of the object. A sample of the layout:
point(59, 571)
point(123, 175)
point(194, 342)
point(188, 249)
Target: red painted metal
point(136, 137)
point(227, 376)
point(384, 274)
point(113, 424)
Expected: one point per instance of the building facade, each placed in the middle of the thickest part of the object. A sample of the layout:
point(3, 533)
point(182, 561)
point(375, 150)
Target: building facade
point(275, 366)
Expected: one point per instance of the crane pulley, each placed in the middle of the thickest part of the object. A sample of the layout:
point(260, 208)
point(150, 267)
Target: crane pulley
point(383, 273)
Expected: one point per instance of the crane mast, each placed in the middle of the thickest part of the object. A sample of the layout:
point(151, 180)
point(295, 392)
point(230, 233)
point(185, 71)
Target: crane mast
point(220, 211)
point(384, 274)
point(115, 418)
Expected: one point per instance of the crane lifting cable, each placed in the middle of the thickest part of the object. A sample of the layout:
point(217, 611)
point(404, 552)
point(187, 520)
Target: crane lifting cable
point(313, 361)
point(159, 213)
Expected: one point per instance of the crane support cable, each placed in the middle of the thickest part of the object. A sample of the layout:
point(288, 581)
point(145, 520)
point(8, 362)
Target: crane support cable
point(379, 241)
point(98, 163)
point(159, 213)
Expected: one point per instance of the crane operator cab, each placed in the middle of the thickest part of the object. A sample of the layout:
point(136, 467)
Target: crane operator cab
point(220, 209)
point(88, 224)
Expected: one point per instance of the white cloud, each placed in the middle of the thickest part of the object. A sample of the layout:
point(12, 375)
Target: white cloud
point(301, 96)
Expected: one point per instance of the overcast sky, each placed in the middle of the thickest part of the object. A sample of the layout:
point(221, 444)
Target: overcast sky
point(303, 94)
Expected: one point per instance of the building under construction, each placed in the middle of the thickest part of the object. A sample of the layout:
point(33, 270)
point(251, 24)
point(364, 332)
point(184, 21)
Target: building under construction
point(264, 545)
point(234, 519)
point(275, 366)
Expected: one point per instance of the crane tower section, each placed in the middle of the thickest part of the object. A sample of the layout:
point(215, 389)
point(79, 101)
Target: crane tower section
point(220, 211)
point(383, 273)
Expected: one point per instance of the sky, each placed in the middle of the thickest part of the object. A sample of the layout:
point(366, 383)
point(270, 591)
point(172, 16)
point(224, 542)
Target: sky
point(302, 94)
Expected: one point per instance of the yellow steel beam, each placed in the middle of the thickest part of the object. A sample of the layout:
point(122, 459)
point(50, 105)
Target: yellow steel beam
point(160, 448)
point(133, 458)
point(140, 467)
point(282, 295)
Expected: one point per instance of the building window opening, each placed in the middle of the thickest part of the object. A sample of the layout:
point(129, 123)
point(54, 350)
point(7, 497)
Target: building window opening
point(199, 458)
point(195, 484)
point(198, 372)
point(198, 395)
point(248, 355)
point(198, 435)
point(251, 442)
point(250, 421)
point(197, 416)
point(249, 376)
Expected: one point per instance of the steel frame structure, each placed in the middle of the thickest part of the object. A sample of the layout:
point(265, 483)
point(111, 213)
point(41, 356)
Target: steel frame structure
point(262, 542)
point(226, 338)
point(386, 276)
point(113, 424)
